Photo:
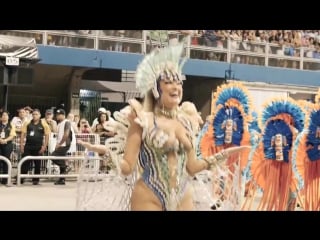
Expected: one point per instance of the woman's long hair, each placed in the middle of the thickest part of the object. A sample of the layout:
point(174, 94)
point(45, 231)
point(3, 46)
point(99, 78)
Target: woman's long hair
point(149, 102)
point(99, 117)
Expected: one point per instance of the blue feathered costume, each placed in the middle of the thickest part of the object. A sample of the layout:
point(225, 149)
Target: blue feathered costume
point(270, 163)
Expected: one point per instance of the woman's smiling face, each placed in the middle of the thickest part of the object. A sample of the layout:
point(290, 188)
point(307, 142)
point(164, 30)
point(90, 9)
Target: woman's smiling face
point(170, 93)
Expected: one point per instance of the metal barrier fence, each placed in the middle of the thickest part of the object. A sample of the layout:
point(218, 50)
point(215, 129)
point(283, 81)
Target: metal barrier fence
point(15, 155)
point(46, 165)
point(8, 175)
point(77, 150)
point(94, 160)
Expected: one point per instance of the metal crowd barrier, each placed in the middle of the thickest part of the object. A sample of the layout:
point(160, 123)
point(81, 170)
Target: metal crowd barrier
point(15, 155)
point(75, 151)
point(50, 175)
point(46, 166)
point(8, 175)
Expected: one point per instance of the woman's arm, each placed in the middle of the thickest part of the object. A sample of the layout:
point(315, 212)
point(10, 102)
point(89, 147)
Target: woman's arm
point(132, 148)
point(193, 164)
point(100, 149)
point(196, 165)
point(12, 133)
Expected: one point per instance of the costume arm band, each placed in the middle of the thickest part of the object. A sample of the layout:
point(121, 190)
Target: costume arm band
point(210, 163)
point(215, 159)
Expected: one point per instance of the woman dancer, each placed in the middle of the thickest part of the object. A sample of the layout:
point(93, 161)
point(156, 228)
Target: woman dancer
point(161, 137)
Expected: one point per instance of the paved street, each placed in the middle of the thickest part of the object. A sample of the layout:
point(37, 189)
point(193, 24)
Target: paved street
point(44, 197)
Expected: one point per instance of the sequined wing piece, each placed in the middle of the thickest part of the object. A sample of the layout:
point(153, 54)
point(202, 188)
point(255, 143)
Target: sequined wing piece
point(103, 191)
point(107, 190)
point(220, 188)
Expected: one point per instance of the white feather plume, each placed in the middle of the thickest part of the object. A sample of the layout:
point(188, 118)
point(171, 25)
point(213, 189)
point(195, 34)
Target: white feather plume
point(157, 62)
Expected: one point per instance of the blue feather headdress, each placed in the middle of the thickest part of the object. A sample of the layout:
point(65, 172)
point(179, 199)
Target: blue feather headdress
point(277, 117)
point(287, 106)
point(232, 91)
point(313, 136)
point(231, 102)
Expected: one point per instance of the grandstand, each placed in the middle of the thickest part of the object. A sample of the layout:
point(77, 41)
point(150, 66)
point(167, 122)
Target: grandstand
point(104, 61)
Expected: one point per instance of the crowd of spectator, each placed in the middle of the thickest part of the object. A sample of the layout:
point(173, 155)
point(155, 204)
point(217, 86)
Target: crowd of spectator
point(12, 145)
point(286, 43)
point(294, 38)
point(281, 43)
point(308, 39)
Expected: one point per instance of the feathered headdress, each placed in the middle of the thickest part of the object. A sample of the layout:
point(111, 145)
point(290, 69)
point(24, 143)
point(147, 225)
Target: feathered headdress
point(270, 160)
point(163, 63)
point(305, 160)
point(232, 93)
point(288, 108)
point(306, 105)
point(227, 124)
point(231, 101)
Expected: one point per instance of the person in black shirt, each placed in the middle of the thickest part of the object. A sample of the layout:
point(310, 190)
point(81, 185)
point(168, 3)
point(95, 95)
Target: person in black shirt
point(36, 132)
point(7, 133)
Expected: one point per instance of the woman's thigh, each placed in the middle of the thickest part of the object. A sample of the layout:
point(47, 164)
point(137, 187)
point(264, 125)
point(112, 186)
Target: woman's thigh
point(143, 199)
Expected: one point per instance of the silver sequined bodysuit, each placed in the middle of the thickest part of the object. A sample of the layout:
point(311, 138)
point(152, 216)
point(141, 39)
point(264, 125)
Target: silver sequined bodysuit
point(153, 158)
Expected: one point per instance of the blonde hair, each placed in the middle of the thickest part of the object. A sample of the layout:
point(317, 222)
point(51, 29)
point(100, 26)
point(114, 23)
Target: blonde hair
point(149, 102)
